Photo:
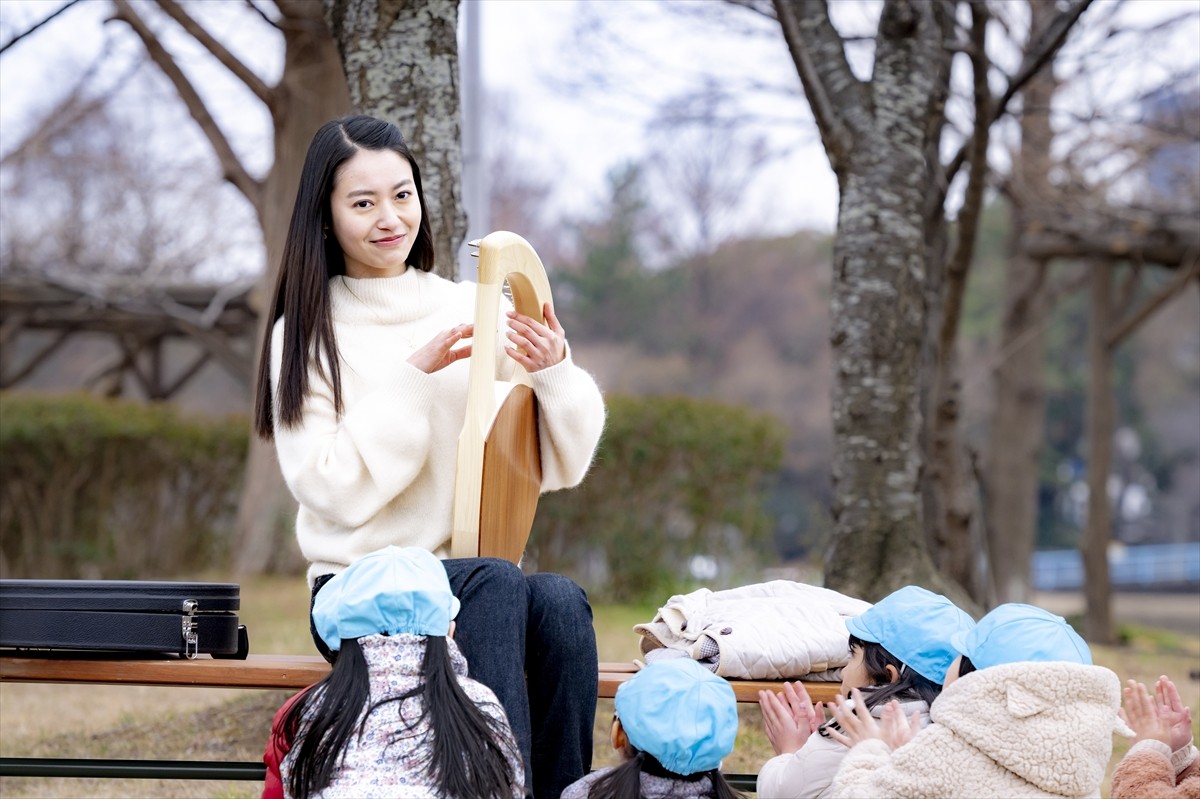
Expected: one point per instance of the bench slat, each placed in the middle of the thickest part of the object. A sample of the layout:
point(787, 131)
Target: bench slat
point(277, 671)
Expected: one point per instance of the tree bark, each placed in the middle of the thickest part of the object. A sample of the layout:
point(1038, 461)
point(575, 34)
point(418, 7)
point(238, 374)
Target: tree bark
point(401, 64)
point(878, 310)
point(1019, 417)
point(1097, 589)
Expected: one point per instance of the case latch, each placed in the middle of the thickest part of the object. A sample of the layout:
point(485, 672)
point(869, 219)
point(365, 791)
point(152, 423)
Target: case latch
point(191, 626)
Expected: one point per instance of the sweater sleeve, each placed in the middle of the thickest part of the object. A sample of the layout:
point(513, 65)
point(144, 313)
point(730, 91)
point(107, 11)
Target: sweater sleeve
point(570, 421)
point(1146, 773)
point(806, 773)
point(347, 468)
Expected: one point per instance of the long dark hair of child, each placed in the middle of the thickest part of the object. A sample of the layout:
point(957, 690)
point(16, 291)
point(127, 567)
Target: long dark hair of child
point(625, 781)
point(469, 755)
point(910, 686)
point(311, 256)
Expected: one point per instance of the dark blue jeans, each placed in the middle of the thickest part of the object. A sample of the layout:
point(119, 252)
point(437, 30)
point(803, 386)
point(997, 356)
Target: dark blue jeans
point(530, 639)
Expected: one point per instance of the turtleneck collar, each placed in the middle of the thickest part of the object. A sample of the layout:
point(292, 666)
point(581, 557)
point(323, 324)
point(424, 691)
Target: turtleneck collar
point(383, 300)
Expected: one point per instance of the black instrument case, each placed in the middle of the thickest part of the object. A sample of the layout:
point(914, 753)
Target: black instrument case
point(123, 616)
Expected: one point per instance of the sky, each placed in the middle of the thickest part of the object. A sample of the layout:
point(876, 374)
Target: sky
point(538, 56)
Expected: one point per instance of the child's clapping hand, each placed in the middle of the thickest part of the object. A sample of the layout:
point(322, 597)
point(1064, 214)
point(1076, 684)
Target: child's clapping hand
point(859, 725)
point(1164, 718)
point(789, 717)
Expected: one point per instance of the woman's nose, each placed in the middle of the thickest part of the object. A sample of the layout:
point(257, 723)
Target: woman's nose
point(388, 216)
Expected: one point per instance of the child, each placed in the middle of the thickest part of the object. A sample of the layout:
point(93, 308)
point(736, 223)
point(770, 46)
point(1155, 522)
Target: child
point(899, 649)
point(397, 716)
point(1023, 713)
point(1163, 762)
point(675, 721)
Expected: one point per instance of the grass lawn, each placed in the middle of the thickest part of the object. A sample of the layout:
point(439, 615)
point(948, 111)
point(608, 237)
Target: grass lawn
point(215, 724)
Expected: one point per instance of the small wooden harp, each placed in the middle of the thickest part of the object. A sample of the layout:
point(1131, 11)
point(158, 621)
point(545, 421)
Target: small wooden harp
point(499, 472)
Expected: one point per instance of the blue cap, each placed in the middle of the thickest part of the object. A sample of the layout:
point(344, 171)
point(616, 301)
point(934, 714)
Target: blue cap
point(394, 590)
point(916, 626)
point(1016, 633)
point(679, 712)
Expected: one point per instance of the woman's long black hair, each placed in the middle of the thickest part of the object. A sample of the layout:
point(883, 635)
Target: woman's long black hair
point(910, 686)
point(311, 256)
point(625, 780)
point(469, 756)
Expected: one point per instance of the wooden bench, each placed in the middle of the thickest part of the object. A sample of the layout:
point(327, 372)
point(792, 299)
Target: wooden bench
point(289, 672)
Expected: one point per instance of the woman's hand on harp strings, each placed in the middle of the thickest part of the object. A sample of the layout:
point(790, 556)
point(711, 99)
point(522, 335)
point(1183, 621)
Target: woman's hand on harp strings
point(440, 353)
point(537, 346)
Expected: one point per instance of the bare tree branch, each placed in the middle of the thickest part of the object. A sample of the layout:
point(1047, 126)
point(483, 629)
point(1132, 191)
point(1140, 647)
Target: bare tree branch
point(968, 216)
point(233, 169)
point(1131, 322)
point(220, 52)
point(22, 35)
point(1037, 55)
point(263, 14)
point(838, 99)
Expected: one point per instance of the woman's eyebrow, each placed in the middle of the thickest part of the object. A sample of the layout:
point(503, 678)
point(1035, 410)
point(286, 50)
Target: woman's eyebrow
point(369, 192)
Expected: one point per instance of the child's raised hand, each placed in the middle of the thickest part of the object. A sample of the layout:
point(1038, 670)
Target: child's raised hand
point(895, 728)
point(790, 717)
point(856, 721)
point(1176, 714)
point(1142, 716)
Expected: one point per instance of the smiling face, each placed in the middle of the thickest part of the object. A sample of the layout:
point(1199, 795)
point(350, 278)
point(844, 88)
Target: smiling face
point(376, 213)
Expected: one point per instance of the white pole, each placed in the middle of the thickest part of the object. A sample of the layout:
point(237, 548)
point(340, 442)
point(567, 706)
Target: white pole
point(475, 183)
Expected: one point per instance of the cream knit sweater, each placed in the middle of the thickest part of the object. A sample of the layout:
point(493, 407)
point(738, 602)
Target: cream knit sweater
point(383, 471)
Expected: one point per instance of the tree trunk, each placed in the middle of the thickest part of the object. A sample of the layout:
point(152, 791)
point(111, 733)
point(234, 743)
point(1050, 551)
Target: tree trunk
point(1017, 428)
point(1019, 417)
point(401, 63)
point(878, 310)
point(312, 91)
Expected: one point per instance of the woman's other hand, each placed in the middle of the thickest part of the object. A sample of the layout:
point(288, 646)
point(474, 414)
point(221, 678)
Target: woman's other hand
point(440, 353)
point(538, 346)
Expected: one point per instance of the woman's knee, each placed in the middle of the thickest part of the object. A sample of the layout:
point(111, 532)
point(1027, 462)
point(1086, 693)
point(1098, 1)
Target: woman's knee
point(559, 597)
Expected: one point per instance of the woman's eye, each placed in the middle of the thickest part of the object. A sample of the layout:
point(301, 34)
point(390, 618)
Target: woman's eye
point(362, 204)
point(404, 195)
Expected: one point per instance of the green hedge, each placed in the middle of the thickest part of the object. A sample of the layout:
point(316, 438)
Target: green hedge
point(107, 489)
point(674, 477)
point(95, 488)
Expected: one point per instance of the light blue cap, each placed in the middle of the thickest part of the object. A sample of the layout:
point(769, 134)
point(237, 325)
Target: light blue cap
point(393, 590)
point(916, 626)
point(1017, 633)
point(679, 712)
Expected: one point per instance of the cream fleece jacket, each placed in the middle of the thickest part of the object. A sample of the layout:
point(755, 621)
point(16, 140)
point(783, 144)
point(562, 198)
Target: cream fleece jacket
point(383, 471)
point(1014, 731)
point(808, 772)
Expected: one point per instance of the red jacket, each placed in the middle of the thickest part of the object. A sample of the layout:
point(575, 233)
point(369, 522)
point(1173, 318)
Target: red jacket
point(278, 746)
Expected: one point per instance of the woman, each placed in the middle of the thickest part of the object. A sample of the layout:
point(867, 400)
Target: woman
point(362, 384)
